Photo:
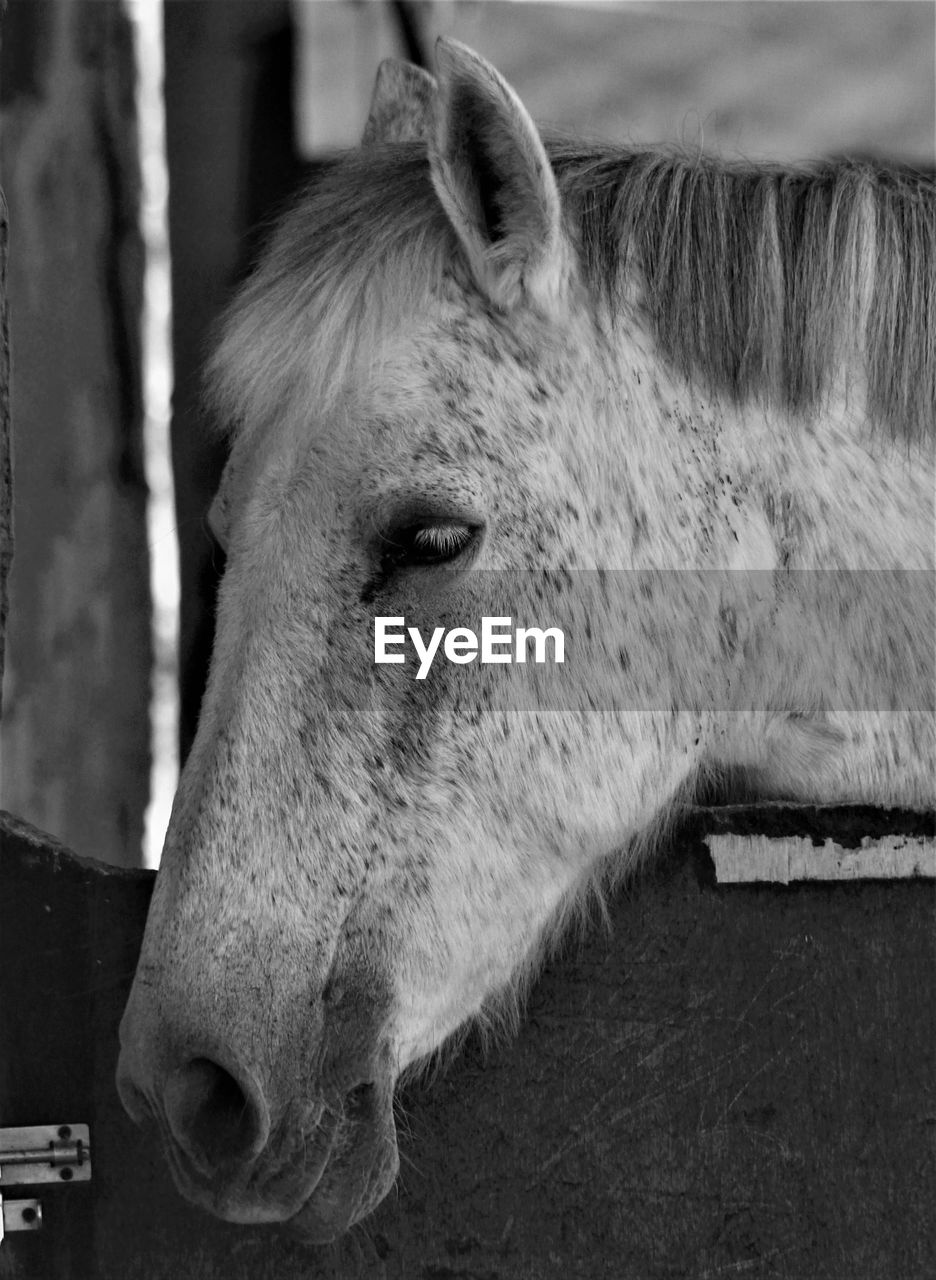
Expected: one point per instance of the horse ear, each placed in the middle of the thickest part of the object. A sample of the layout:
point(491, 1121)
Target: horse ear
point(401, 104)
point(492, 174)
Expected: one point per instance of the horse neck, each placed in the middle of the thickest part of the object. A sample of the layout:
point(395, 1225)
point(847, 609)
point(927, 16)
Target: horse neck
point(824, 488)
point(838, 490)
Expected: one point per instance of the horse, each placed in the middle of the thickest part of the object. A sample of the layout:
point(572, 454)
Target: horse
point(684, 405)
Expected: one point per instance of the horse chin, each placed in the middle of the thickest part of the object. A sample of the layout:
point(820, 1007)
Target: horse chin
point(359, 1174)
point(328, 1214)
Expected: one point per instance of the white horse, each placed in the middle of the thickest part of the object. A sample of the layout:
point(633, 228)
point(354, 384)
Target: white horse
point(682, 406)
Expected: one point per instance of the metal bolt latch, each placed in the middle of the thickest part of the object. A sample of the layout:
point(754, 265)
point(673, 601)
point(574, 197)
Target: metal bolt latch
point(36, 1154)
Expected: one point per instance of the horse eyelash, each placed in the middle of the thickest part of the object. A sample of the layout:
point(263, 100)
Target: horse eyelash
point(442, 539)
point(436, 540)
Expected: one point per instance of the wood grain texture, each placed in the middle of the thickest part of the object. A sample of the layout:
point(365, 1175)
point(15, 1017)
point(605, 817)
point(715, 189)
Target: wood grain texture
point(734, 1082)
point(76, 724)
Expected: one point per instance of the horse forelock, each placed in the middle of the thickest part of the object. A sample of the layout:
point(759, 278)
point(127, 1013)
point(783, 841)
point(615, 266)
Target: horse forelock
point(760, 281)
point(359, 252)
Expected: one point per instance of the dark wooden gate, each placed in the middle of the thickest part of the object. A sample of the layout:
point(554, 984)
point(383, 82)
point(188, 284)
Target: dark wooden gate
point(737, 1081)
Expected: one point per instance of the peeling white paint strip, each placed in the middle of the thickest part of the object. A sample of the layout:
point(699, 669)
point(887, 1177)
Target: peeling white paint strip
point(780, 860)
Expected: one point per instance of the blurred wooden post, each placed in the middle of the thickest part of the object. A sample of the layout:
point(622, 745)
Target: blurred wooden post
point(76, 708)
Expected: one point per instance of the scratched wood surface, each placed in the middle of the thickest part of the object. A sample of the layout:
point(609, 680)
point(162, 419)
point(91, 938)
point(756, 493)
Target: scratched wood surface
point(735, 1081)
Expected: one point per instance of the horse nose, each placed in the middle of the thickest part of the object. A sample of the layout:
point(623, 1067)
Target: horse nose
point(217, 1118)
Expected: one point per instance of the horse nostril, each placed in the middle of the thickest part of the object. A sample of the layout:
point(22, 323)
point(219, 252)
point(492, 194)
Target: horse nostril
point(358, 1101)
point(134, 1100)
point(213, 1119)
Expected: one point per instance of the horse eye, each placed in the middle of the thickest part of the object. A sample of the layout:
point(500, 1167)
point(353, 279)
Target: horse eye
point(427, 543)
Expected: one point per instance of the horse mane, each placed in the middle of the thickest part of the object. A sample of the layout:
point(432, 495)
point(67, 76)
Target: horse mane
point(760, 280)
point(757, 280)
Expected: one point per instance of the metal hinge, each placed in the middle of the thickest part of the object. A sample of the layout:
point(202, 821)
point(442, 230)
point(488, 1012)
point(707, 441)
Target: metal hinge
point(39, 1153)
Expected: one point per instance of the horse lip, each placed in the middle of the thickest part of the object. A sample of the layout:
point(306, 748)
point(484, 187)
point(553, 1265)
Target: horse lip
point(310, 1225)
point(244, 1201)
point(247, 1214)
point(358, 1175)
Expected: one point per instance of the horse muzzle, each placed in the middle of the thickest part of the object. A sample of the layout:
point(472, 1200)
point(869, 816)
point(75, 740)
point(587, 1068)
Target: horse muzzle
point(297, 1128)
point(319, 1169)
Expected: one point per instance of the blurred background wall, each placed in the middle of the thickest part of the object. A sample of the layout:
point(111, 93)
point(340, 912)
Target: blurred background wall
point(770, 79)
